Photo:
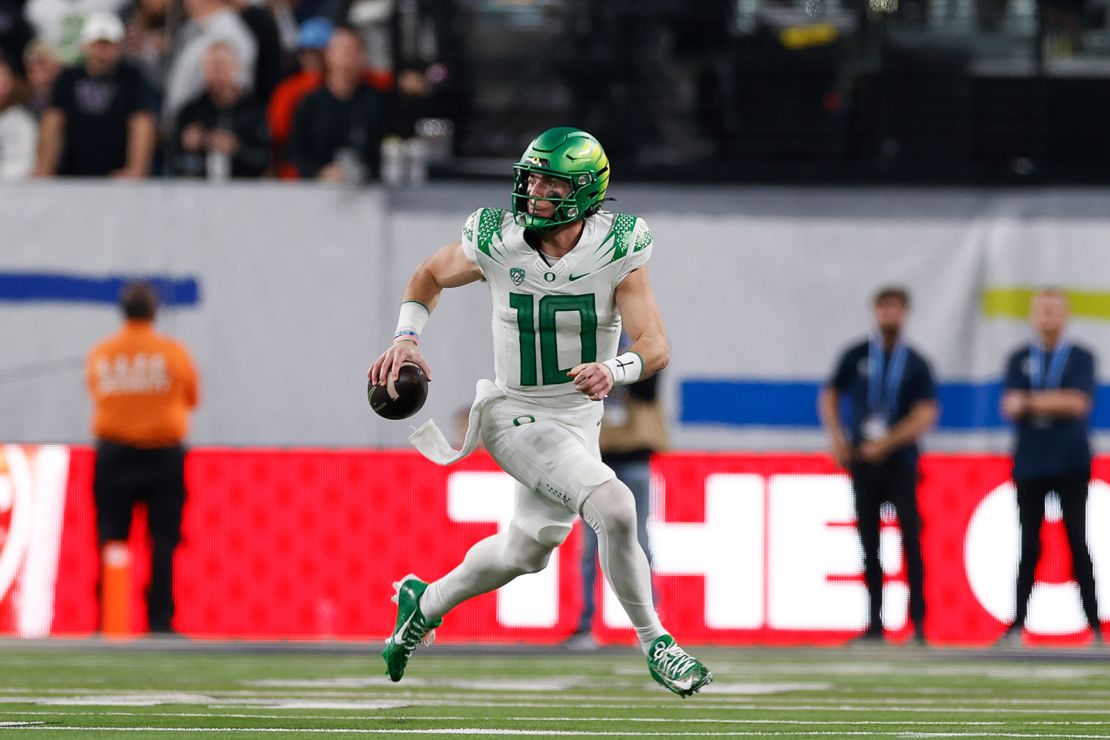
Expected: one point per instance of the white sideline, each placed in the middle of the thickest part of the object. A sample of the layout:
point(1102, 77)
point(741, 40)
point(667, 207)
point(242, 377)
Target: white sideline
point(674, 720)
point(485, 731)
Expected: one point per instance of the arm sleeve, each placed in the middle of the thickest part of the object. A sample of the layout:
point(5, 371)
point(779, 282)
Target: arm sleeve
point(469, 238)
point(60, 91)
point(843, 373)
point(189, 378)
point(924, 386)
point(1083, 376)
point(639, 249)
point(1014, 380)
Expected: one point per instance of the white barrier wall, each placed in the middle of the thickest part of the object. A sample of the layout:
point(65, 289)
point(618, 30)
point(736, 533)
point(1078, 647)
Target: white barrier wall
point(298, 287)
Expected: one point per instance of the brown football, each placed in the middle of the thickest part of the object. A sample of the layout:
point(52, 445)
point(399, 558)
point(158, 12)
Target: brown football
point(406, 397)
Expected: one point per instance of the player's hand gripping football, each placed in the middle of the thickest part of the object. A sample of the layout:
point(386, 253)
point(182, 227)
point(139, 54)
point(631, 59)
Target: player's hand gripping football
point(592, 379)
point(387, 366)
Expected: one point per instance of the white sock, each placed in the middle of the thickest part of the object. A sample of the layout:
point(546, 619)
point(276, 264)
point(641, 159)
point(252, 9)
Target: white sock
point(611, 511)
point(488, 565)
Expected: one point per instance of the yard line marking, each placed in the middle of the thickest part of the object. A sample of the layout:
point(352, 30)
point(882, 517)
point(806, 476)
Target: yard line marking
point(846, 706)
point(485, 731)
point(646, 720)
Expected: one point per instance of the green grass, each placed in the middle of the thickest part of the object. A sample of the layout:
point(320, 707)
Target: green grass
point(139, 690)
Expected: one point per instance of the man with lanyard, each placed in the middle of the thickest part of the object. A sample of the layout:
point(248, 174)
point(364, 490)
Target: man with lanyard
point(1050, 385)
point(893, 400)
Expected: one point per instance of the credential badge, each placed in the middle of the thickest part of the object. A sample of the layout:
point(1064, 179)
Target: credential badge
point(517, 275)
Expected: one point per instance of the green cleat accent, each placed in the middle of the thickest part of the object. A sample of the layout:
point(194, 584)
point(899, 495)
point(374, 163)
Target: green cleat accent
point(675, 669)
point(411, 628)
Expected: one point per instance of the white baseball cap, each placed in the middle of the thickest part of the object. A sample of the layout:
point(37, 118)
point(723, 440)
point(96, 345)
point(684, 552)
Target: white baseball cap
point(102, 26)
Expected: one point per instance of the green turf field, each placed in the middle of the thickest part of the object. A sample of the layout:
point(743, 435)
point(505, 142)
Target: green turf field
point(182, 689)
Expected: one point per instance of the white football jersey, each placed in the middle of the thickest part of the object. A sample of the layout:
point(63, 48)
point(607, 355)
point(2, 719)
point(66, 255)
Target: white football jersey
point(549, 318)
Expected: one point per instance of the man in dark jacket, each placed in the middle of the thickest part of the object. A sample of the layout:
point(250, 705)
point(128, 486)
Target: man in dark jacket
point(1050, 385)
point(337, 130)
point(223, 132)
point(893, 398)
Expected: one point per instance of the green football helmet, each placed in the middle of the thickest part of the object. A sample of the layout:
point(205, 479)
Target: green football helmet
point(573, 155)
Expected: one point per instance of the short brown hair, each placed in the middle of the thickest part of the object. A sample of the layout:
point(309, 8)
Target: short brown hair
point(893, 293)
point(139, 300)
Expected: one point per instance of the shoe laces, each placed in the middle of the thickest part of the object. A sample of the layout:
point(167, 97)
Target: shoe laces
point(673, 661)
point(417, 634)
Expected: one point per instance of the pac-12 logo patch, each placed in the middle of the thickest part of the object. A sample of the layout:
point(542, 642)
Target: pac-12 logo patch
point(516, 274)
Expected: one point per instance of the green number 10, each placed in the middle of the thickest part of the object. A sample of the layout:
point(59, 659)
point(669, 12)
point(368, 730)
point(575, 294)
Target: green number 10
point(549, 353)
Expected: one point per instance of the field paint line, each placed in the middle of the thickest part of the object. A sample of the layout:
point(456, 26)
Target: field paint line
point(481, 731)
point(910, 695)
point(562, 718)
point(486, 731)
point(522, 720)
point(698, 705)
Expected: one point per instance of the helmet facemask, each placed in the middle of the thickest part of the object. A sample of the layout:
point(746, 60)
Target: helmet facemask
point(574, 206)
point(572, 156)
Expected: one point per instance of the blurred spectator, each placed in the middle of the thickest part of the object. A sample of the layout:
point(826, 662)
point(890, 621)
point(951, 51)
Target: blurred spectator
point(17, 127)
point(632, 429)
point(209, 21)
point(430, 65)
point(1050, 387)
point(337, 130)
point(100, 120)
point(147, 42)
point(59, 22)
point(143, 386)
point(15, 34)
point(893, 400)
point(375, 22)
point(268, 67)
point(223, 132)
point(312, 40)
point(43, 66)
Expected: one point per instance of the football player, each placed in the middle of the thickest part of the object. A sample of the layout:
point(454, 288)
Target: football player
point(563, 274)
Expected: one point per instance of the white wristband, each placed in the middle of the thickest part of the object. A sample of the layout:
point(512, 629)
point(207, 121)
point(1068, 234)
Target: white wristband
point(411, 321)
point(626, 368)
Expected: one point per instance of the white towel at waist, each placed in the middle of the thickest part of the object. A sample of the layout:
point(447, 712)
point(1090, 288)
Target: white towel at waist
point(429, 439)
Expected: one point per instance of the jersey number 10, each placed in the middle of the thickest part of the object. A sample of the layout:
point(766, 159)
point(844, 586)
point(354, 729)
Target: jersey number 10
point(550, 305)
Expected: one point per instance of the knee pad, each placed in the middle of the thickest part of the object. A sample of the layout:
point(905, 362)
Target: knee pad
point(611, 505)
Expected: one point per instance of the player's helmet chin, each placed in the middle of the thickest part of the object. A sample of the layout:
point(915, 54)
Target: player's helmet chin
point(573, 155)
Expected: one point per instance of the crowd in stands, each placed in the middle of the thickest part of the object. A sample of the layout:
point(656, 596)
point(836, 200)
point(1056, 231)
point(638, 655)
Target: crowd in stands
point(290, 89)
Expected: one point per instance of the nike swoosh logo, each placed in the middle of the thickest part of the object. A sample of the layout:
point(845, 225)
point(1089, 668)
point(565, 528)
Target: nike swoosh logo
point(572, 278)
point(401, 630)
point(684, 683)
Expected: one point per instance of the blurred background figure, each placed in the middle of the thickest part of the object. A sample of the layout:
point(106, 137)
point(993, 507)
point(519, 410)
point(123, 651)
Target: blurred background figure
point(208, 21)
point(269, 66)
point(430, 65)
point(222, 133)
point(15, 34)
point(42, 65)
point(18, 130)
point(143, 386)
point(60, 22)
point(893, 399)
point(337, 130)
point(146, 42)
point(633, 428)
point(100, 120)
point(1050, 386)
point(312, 40)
